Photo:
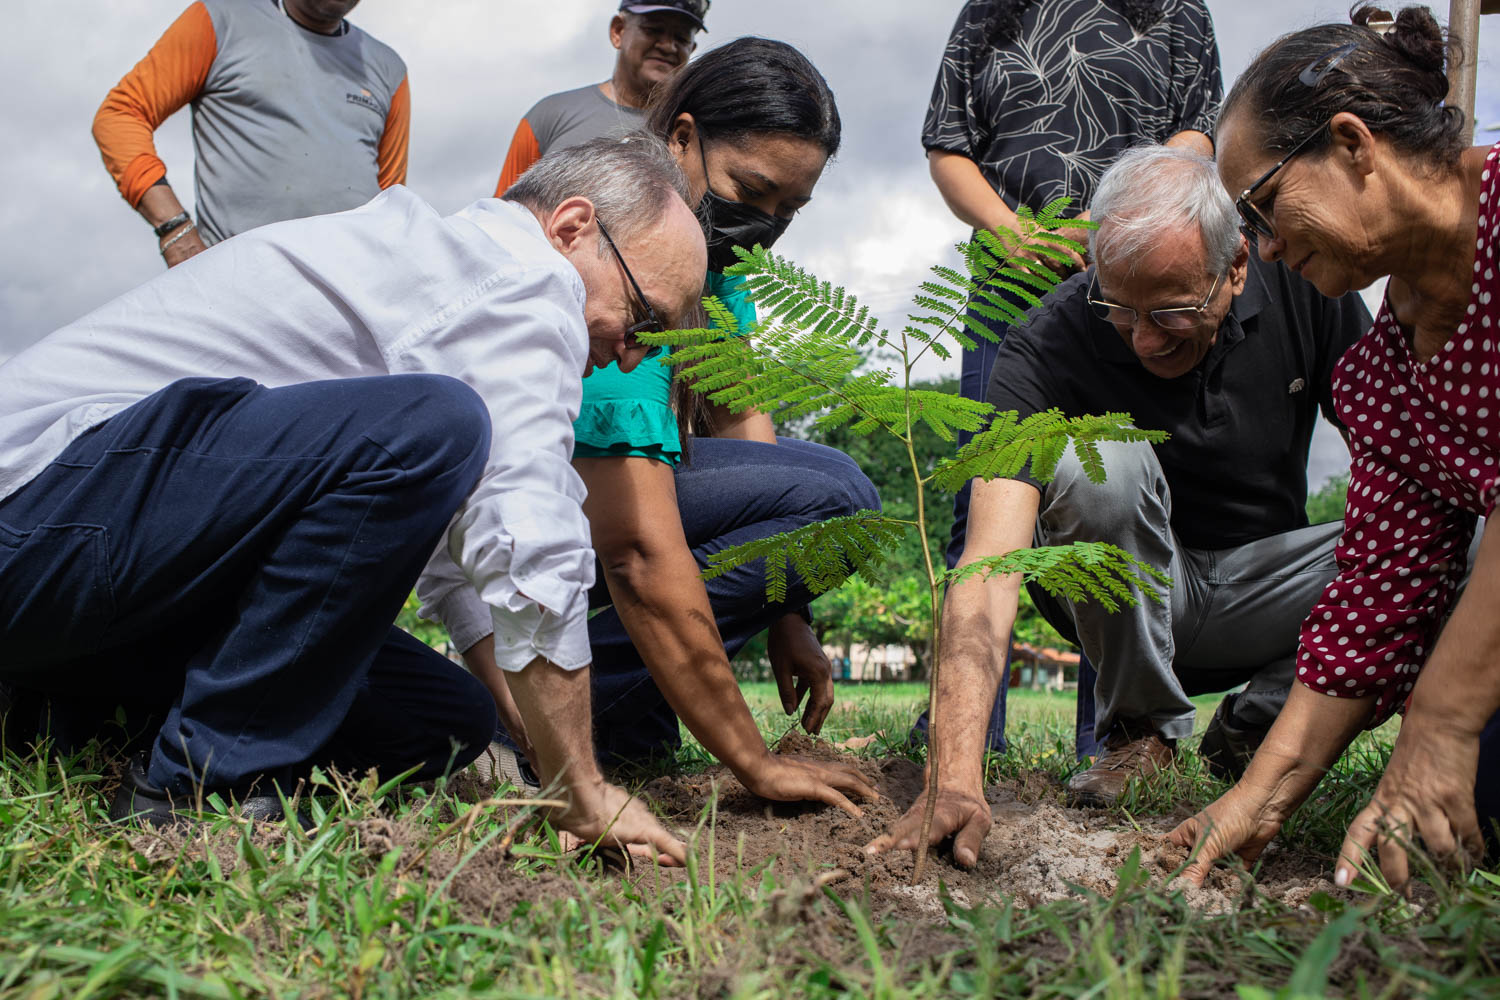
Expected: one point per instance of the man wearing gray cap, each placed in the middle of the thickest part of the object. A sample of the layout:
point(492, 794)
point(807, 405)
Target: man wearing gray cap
point(654, 41)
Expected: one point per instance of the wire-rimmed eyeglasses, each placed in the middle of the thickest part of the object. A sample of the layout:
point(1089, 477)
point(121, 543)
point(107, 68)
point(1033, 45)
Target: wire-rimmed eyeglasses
point(1175, 318)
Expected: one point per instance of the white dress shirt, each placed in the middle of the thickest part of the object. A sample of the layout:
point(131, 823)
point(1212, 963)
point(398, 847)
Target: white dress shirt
point(388, 288)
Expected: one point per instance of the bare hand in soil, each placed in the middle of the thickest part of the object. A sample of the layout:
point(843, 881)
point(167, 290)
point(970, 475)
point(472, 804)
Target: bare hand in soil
point(801, 779)
point(1234, 824)
point(966, 818)
point(1427, 790)
point(800, 668)
point(605, 813)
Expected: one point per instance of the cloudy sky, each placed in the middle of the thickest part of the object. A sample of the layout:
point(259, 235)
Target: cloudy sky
point(475, 66)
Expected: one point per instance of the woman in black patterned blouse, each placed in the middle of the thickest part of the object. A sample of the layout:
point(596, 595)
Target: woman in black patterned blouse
point(1034, 100)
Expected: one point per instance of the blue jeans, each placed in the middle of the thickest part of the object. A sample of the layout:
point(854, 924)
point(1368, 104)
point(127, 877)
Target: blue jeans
point(226, 560)
point(731, 492)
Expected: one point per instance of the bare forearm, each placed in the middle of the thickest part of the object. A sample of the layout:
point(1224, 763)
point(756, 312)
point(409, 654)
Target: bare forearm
point(665, 610)
point(480, 661)
point(968, 195)
point(977, 618)
point(748, 425)
point(555, 704)
point(1307, 738)
point(1460, 685)
point(159, 204)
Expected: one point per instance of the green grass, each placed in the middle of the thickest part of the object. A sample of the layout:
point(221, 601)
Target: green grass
point(372, 903)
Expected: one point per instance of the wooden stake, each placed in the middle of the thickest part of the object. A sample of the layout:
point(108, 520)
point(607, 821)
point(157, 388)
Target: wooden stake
point(1463, 24)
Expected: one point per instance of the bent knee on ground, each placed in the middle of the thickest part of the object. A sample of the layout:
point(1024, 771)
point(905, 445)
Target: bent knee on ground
point(436, 426)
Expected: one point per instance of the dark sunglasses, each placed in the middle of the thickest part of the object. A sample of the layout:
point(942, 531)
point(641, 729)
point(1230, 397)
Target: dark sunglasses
point(1176, 318)
point(652, 323)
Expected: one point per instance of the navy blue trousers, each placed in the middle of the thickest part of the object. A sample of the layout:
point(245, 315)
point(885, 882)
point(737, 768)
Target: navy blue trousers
point(731, 492)
point(226, 560)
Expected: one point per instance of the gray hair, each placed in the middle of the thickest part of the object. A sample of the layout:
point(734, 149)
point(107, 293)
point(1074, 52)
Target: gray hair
point(630, 178)
point(1154, 190)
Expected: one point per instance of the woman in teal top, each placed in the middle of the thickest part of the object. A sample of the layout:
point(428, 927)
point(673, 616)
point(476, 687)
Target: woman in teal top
point(630, 414)
point(752, 123)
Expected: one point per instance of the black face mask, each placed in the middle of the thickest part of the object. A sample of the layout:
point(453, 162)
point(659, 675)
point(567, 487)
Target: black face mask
point(729, 224)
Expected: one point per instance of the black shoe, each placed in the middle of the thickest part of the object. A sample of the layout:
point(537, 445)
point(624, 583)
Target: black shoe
point(1226, 746)
point(140, 801)
point(137, 800)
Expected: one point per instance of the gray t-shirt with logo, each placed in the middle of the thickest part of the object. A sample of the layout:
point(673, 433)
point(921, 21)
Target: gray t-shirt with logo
point(576, 116)
point(288, 123)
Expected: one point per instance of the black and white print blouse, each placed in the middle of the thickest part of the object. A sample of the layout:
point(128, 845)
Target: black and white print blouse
point(1045, 115)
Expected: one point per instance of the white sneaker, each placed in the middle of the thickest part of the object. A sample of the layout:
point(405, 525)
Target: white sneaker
point(501, 763)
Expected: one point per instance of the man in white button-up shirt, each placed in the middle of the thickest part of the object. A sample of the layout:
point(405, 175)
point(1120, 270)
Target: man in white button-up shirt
point(216, 490)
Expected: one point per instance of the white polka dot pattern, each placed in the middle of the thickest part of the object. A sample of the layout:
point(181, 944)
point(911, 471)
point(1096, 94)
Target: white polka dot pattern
point(1425, 439)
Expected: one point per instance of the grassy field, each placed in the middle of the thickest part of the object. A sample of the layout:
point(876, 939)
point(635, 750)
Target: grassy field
point(373, 902)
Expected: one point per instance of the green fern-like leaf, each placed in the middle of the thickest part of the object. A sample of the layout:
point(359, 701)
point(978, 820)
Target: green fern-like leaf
point(824, 554)
point(945, 412)
point(1083, 571)
point(1003, 267)
point(721, 317)
point(1009, 445)
point(778, 286)
point(800, 362)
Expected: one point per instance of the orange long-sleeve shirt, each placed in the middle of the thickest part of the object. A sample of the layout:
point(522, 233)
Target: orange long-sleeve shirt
point(269, 99)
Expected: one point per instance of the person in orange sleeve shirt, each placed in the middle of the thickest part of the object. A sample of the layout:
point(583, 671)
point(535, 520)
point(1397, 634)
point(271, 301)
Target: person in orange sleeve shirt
point(654, 42)
point(296, 112)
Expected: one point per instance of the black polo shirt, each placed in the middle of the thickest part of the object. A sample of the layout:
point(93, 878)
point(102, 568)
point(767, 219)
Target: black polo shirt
point(1240, 422)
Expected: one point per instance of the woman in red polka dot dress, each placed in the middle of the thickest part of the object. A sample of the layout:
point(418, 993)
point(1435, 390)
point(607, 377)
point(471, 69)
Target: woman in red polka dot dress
point(1349, 168)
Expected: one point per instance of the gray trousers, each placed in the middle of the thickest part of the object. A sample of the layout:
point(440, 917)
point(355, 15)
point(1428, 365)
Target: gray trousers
point(1233, 616)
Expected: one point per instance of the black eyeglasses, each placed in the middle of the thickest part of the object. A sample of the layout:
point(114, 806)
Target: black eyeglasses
point(1257, 223)
point(1176, 318)
point(652, 323)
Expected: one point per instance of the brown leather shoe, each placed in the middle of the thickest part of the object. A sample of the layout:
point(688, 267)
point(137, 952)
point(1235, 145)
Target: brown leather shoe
point(1124, 759)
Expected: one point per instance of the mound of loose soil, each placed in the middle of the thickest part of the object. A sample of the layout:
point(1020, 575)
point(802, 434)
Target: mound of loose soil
point(1037, 851)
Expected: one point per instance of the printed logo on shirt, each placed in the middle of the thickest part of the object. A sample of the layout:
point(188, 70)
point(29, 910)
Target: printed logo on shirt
point(365, 99)
point(1296, 386)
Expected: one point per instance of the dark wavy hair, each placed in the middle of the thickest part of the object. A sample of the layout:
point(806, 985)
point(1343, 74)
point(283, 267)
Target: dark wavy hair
point(1395, 81)
point(1004, 21)
point(750, 86)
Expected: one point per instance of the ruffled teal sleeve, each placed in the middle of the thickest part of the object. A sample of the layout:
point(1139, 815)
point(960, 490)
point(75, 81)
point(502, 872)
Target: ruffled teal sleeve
point(629, 415)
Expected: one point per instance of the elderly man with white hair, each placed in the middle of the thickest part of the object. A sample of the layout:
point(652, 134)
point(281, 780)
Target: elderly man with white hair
point(1185, 329)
